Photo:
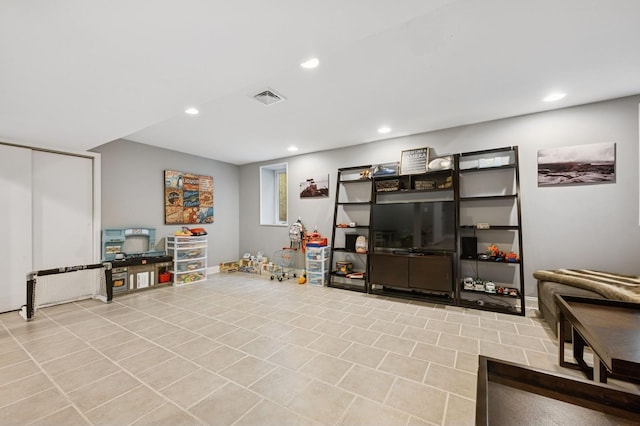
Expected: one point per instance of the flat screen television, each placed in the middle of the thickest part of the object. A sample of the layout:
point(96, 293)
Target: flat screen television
point(416, 226)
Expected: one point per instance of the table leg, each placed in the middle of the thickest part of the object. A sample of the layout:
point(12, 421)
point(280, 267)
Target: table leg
point(561, 337)
point(578, 348)
point(599, 370)
point(578, 345)
point(578, 354)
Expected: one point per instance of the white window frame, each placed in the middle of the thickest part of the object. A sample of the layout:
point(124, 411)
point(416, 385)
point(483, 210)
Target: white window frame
point(270, 194)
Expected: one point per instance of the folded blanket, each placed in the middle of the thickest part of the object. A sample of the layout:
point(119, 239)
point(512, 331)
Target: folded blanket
point(612, 286)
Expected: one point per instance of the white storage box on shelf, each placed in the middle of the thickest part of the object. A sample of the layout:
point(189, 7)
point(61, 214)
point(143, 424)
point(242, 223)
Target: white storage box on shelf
point(189, 258)
point(317, 265)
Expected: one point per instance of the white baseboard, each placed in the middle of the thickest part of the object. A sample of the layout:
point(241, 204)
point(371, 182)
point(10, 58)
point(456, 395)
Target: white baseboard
point(213, 270)
point(531, 302)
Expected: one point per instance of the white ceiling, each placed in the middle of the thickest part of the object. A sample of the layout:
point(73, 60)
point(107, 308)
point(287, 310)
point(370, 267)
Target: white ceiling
point(77, 74)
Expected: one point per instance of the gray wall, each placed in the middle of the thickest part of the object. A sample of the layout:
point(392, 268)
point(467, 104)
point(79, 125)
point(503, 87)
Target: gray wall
point(588, 226)
point(133, 193)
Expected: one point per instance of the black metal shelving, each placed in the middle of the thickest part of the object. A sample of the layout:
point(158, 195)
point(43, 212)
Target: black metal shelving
point(499, 220)
point(505, 201)
point(351, 177)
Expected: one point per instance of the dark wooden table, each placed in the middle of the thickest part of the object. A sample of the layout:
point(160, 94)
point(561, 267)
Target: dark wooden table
point(510, 394)
point(610, 328)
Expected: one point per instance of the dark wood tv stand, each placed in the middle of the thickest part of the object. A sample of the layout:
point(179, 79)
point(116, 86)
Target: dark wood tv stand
point(429, 272)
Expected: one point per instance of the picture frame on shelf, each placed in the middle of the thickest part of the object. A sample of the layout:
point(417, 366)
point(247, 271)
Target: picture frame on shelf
point(414, 161)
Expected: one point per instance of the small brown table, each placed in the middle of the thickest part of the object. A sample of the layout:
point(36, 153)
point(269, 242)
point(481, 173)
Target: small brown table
point(511, 394)
point(610, 328)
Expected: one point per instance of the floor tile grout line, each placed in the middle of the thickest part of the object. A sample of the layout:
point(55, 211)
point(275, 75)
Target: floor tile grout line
point(387, 308)
point(41, 418)
point(345, 374)
point(216, 373)
point(121, 369)
point(449, 392)
point(384, 401)
point(246, 413)
point(105, 403)
point(263, 397)
point(39, 337)
point(305, 388)
point(53, 383)
point(426, 373)
point(275, 367)
point(19, 378)
point(387, 373)
point(445, 408)
point(29, 396)
point(388, 394)
point(340, 420)
point(216, 389)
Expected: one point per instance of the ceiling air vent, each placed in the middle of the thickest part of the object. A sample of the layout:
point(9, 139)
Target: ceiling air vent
point(268, 97)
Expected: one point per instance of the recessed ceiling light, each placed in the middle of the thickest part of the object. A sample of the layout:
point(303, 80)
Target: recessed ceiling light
point(384, 129)
point(310, 63)
point(192, 111)
point(292, 148)
point(554, 97)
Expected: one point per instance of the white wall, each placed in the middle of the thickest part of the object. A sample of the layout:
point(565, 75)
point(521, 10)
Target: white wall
point(588, 226)
point(133, 193)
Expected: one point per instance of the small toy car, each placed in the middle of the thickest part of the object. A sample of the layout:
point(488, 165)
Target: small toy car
point(468, 283)
point(478, 285)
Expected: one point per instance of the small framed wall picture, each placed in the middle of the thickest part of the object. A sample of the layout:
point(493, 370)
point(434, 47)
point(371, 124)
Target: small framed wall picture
point(315, 188)
point(188, 198)
point(579, 164)
point(414, 161)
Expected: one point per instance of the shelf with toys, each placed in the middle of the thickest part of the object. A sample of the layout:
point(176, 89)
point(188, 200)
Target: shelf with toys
point(189, 253)
point(491, 272)
point(493, 254)
point(349, 259)
point(316, 265)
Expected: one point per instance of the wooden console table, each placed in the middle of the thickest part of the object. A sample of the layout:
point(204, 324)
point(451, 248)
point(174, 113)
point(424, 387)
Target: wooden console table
point(610, 328)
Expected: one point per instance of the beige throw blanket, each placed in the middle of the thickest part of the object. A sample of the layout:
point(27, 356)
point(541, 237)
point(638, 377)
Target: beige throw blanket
point(611, 286)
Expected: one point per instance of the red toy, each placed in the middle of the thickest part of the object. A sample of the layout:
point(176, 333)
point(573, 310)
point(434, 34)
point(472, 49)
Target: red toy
point(511, 257)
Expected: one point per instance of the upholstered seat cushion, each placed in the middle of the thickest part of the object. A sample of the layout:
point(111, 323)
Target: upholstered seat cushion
point(547, 304)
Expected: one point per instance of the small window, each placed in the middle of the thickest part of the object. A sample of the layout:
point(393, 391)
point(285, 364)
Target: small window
point(273, 194)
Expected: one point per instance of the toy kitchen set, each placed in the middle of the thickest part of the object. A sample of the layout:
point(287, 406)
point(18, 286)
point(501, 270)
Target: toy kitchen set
point(135, 263)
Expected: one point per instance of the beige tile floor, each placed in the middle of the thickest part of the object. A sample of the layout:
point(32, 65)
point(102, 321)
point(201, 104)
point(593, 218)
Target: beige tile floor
point(244, 350)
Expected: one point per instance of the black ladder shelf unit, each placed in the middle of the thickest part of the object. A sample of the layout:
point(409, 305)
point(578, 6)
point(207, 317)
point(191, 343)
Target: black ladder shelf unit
point(489, 211)
point(351, 218)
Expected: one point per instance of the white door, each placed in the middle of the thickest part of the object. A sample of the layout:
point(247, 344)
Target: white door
point(63, 233)
point(15, 226)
